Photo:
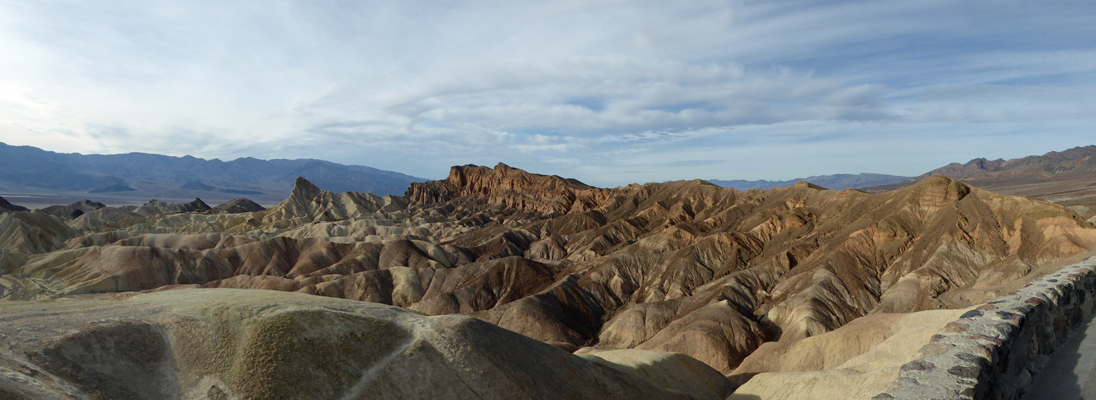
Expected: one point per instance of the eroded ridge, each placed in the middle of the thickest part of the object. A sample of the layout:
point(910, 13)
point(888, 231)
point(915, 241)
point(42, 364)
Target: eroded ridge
point(730, 278)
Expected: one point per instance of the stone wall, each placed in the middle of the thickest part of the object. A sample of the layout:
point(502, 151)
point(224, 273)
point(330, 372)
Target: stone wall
point(993, 351)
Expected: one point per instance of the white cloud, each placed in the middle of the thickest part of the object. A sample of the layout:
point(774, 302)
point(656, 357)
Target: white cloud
point(632, 91)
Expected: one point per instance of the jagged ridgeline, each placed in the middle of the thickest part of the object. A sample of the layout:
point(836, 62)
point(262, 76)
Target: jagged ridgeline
point(684, 267)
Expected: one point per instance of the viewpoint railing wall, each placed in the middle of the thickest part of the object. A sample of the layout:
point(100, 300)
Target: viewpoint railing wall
point(993, 351)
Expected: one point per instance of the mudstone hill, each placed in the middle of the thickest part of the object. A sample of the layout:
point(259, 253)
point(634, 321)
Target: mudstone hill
point(499, 283)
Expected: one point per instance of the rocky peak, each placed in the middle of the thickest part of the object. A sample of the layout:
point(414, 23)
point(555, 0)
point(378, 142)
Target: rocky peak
point(935, 192)
point(74, 210)
point(807, 185)
point(237, 206)
point(196, 205)
point(309, 201)
point(300, 201)
point(305, 189)
point(950, 189)
point(155, 207)
point(512, 187)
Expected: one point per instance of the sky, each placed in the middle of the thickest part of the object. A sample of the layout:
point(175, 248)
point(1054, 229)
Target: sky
point(607, 92)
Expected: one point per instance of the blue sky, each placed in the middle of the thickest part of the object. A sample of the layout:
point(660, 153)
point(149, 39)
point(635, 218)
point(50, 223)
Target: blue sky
point(608, 92)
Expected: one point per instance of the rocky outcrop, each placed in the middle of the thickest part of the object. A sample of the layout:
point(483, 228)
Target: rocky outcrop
point(312, 204)
point(238, 206)
point(236, 344)
point(156, 207)
point(509, 187)
point(74, 210)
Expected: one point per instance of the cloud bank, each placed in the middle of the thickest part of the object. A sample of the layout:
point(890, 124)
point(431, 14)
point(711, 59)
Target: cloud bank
point(609, 92)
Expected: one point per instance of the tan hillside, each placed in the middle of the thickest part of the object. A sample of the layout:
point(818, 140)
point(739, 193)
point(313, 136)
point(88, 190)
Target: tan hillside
point(685, 267)
point(232, 344)
point(1062, 177)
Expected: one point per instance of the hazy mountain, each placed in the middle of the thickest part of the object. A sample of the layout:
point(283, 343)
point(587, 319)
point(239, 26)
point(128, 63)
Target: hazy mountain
point(834, 182)
point(1077, 160)
point(138, 177)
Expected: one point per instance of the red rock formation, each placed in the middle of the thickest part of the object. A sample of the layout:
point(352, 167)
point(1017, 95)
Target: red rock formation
point(509, 187)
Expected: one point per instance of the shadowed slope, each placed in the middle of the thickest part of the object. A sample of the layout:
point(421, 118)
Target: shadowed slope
point(234, 344)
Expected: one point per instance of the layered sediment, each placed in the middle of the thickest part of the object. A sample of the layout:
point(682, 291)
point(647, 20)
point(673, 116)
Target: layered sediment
point(726, 277)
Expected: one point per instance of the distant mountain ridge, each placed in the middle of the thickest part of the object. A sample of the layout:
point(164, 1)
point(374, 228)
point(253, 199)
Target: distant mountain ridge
point(141, 176)
point(1072, 163)
point(834, 182)
point(1075, 160)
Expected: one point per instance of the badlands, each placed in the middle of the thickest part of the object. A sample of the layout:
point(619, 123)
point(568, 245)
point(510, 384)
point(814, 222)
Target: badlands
point(498, 283)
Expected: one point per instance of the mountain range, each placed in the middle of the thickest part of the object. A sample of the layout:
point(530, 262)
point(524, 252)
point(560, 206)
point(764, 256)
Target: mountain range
point(1065, 177)
point(1071, 162)
point(835, 182)
point(1077, 160)
point(36, 178)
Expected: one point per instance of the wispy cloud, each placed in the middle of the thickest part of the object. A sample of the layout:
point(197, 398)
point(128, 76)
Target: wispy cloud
point(609, 92)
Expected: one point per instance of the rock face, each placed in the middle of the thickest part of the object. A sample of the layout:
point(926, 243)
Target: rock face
point(685, 267)
point(509, 187)
point(239, 344)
